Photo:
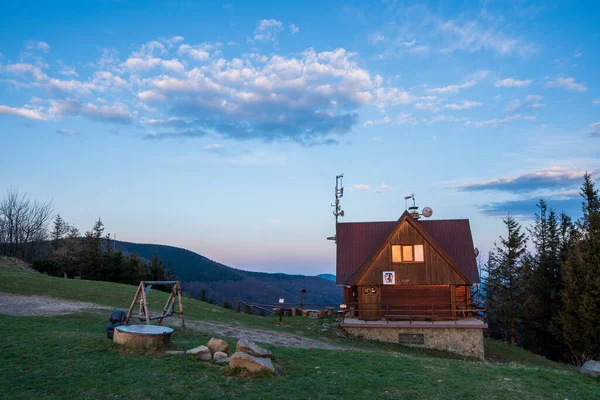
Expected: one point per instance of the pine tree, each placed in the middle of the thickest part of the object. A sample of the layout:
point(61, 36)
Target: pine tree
point(91, 263)
point(58, 230)
point(543, 283)
point(580, 317)
point(503, 283)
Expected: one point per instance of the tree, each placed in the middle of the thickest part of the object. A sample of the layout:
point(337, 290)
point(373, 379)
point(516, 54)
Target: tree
point(580, 317)
point(503, 282)
point(23, 225)
point(543, 284)
point(92, 261)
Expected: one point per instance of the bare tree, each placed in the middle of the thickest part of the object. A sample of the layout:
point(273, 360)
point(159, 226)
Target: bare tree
point(23, 225)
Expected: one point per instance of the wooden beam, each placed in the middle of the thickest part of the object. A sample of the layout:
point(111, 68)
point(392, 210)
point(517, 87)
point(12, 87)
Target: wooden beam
point(145, 304)
point(177, 285)
point(137, 292)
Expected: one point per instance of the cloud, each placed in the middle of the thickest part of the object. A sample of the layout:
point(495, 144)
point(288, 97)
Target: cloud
point(105, 113)
point(595, 130)
point(596, 101)
point(402, 118)
point(533, 98)
point(510, 82)
point(551, 179)
point(493, 123)
point(22, 112)
point(37, 45)
point(294, 29)
point(513, 106)
point(471, 36)
point(188, 133)
point(360, 187)
point(447, 118)
point(567, 83)
point(464, 106)
point(536, 105)
point(68, 71)
point(526, 208)
point(66, 132)
point(267, 30)
point(451, 88)
point(376, 37)
point(198, 53)
point(377, 139)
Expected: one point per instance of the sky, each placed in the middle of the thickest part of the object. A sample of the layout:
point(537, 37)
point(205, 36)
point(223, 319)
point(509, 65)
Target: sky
point(220, 126)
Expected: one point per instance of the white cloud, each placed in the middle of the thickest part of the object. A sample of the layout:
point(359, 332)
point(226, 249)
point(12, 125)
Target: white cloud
point(66, 132)
point(447, 118)
point(198, 53)
point(294, 29)
point(595, 132)
point(377, 139)
point(451, 88)
point(22, 112)
point(383, 121)
point(513, 106)
point(596, 101)
point(267, 30)
point(511, 82)
point(376, 37)
point(533, 98)
point(72, 108)
point(536, 105)
point(567, 83)
point(37, 45)
point(426, 106)
point(68, 71)
point(464, 106)
point(402, 118)
point(493, 123)
point(360, 187)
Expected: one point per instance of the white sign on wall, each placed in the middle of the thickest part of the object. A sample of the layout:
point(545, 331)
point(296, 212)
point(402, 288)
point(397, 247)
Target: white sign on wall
point(389, 278)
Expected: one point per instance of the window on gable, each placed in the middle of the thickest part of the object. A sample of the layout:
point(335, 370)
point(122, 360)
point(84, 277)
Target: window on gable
point(407, 253)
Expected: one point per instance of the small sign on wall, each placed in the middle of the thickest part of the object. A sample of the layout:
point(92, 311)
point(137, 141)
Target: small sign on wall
point(389, 277)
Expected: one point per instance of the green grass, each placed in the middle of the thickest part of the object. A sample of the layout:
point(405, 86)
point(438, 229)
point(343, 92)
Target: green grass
point(70, 357)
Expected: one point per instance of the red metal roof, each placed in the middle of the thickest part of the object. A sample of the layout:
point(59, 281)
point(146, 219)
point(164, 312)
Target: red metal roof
point(357, 241)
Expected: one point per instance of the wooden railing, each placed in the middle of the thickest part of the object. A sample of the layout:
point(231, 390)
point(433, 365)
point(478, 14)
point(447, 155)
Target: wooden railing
point(415, 311)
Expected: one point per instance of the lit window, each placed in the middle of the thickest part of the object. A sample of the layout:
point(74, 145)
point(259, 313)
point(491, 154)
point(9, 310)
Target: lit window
point(407, 253)
point(419, 257)
point(396, 254)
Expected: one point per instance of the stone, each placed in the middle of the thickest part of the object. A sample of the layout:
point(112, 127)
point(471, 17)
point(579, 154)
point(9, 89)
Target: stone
point(217, 345)
point(201, 352)
point(223, 360)
point(174, 352)
point(591, 368)
point(246, 346)
point(251, 363)
point(219, 354)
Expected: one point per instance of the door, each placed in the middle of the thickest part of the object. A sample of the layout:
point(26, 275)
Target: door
point(368, 303)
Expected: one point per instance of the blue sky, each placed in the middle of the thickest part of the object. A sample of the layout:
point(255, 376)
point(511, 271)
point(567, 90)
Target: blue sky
point(220, 126)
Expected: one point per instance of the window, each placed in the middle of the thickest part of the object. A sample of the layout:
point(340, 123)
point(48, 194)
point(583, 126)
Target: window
point(407, 253)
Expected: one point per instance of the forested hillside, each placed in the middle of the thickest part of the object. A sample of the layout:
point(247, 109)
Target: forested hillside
point(212, 280)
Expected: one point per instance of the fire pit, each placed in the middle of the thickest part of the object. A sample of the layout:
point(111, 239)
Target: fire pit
point(143, 335)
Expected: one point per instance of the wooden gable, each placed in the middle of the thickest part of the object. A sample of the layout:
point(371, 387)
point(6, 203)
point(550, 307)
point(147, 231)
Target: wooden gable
point(437, 268)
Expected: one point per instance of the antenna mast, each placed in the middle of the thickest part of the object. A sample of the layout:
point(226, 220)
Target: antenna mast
point(338, 212)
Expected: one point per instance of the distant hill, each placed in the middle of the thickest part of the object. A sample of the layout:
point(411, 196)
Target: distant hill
point(329, 277)
point(225, 283)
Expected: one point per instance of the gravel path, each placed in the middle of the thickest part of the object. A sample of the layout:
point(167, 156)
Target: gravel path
point(20, 305)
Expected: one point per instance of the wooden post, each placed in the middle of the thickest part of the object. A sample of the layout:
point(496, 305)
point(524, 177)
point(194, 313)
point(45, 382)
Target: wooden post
point(145, 304)
point(180, 304)
point(453, 300)
point(239, 306)
point(137, 293)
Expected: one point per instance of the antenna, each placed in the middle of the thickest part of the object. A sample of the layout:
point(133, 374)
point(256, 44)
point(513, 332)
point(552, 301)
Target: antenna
point(338, 212)
point(414, 210)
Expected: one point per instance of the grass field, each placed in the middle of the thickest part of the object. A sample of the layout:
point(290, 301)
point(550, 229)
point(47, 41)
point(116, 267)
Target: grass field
point(69, 357)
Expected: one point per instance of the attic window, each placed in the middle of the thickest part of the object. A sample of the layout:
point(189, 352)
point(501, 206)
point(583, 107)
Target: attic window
point(407, 253)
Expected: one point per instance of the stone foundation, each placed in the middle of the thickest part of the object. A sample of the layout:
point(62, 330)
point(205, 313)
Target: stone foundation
point(464, 341)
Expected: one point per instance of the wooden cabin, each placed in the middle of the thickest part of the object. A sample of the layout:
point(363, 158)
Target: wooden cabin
point(417, 270)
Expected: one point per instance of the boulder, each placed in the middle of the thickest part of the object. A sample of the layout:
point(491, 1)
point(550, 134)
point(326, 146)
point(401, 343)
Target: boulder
point(201, 352)
point(217, 345)
point(591, 368)
point(223, 360)
point(246, 346)
point(251, 363)
point(174, 352)
point(219, 354)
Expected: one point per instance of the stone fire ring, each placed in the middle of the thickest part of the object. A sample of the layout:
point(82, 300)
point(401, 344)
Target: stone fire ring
point(142, 335)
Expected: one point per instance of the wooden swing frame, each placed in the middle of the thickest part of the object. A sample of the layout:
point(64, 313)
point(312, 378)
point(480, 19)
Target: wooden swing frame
point(141, 293)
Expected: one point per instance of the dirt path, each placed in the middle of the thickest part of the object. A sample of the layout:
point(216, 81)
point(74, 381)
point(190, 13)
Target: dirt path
point(20, 305)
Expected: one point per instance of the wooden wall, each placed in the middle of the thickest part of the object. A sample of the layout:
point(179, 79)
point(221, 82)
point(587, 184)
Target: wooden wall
point(422, 300)
point(434, 271)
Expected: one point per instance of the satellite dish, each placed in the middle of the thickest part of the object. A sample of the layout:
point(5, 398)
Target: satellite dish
point(342, 213)
point(427, 212)
point(476, 252)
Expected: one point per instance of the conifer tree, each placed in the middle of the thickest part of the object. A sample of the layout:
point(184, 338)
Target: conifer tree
point(504, 282)
point(580, 317)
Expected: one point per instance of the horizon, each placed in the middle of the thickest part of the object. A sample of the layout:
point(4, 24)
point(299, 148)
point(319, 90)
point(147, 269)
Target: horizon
point(220, 127)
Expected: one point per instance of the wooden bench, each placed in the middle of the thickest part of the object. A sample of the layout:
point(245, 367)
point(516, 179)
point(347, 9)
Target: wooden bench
point(395, 317)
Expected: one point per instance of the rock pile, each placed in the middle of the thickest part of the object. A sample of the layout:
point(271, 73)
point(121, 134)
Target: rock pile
point(248, 355)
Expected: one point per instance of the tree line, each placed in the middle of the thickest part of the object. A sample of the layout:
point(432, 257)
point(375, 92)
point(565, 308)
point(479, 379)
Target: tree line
point(57, 248)
point(546, 298)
